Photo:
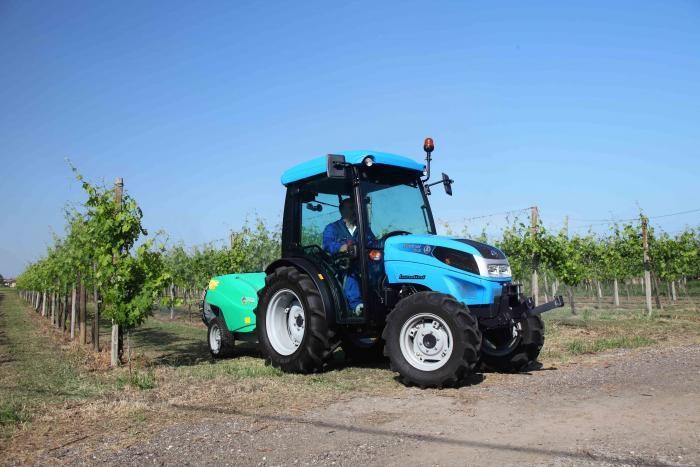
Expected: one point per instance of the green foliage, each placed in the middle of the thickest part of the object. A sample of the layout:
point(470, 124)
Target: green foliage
point(677, 257)
point(571, 258)
point(526, 247)
point(99, 248)
point(251, 249)
point(627, 241)
point(619, 255)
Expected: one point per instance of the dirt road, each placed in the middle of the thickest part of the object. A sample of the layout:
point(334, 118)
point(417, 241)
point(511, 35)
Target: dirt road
point(638, 407)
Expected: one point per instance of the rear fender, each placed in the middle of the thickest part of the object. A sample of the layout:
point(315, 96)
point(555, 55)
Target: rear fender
point(331, 294)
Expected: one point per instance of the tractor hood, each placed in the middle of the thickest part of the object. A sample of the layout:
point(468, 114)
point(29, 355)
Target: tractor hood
point(454, 254)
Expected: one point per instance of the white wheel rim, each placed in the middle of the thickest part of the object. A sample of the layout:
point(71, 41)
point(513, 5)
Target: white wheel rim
point(426, 341)
point(215, 338)
point(285, 322)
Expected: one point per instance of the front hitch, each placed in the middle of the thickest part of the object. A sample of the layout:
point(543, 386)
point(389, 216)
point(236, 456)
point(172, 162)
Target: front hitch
point(533, 310)
point(512, 306)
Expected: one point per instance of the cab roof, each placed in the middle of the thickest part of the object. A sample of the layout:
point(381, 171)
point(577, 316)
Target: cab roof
point(317, 165)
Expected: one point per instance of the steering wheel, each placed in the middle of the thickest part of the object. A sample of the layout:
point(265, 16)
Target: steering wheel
point(315, 250)
point(340, 260)
point(393, 233)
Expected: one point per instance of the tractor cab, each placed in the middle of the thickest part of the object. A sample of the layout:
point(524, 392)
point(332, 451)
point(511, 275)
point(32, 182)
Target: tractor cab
point(388, 199)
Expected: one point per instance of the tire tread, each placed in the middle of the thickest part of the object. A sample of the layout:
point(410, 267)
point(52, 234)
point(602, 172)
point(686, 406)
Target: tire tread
point(467, 332)
point(315, 353)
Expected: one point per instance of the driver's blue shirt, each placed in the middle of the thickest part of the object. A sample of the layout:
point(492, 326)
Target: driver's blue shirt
point(335, 235)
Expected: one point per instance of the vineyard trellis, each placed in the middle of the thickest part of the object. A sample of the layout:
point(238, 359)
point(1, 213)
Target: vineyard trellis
point(99, 251)
point(105, 250)
point(615, 257)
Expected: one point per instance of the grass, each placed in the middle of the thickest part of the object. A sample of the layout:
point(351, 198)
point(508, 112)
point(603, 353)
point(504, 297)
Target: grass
point(31, 376)
point(595, 330)
point(244, 367)
point(12, 412)
point(137, 379)
point(579, 346)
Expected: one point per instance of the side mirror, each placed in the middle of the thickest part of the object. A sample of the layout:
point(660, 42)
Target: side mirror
point(335, 166)
point(447, 182)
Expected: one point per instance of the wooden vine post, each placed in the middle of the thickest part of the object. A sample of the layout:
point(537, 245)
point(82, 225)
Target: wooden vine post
point(118, 195)
point(647, 265)
point(82, 313)
point(535, 258)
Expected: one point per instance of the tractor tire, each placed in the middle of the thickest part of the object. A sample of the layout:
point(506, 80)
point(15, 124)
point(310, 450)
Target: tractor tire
point(219, 338)
point(360, 352)
point(291, 322)
point(513, 356)
point(431, 340)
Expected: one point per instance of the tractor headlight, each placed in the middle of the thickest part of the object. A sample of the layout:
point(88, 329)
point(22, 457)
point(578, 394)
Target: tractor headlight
point(498, 270)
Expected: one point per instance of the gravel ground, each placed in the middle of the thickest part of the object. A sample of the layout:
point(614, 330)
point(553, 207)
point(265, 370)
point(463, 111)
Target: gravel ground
point(638, 407)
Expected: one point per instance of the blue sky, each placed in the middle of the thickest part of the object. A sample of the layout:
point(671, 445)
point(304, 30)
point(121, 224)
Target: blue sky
point(586, 109)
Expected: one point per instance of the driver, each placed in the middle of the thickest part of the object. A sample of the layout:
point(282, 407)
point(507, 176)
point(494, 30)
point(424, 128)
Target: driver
point(339, 237)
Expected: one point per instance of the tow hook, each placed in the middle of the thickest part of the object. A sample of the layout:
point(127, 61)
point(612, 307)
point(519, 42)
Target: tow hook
point(533, 310)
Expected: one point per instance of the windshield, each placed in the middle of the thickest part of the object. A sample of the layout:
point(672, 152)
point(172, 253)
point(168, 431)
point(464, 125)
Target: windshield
point(394, 207)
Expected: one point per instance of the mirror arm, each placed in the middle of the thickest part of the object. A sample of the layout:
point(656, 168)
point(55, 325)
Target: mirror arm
point(427, 167)
point(428, 147)
point(447, 181)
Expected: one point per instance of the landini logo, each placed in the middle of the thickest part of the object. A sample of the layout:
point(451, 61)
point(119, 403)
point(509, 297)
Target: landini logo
point(412, 277)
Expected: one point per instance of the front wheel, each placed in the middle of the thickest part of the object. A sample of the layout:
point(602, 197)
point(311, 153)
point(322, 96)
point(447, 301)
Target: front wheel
point(291, 322)
point(431, 340)
point(515, 348)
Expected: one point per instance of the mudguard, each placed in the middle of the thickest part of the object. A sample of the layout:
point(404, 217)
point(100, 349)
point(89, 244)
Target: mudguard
point(332, 296)
point(235, 296)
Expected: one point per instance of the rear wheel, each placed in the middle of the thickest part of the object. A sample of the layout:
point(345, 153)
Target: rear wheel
point(291, 322)
point(431, 340)
point(220, 339)
point(513, 349)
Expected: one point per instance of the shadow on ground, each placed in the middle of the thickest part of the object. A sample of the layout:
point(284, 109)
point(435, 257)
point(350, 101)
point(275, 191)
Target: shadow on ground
point(179, 347)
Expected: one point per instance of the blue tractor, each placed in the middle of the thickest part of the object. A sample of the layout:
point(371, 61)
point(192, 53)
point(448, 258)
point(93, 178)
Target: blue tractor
point(363, 268)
